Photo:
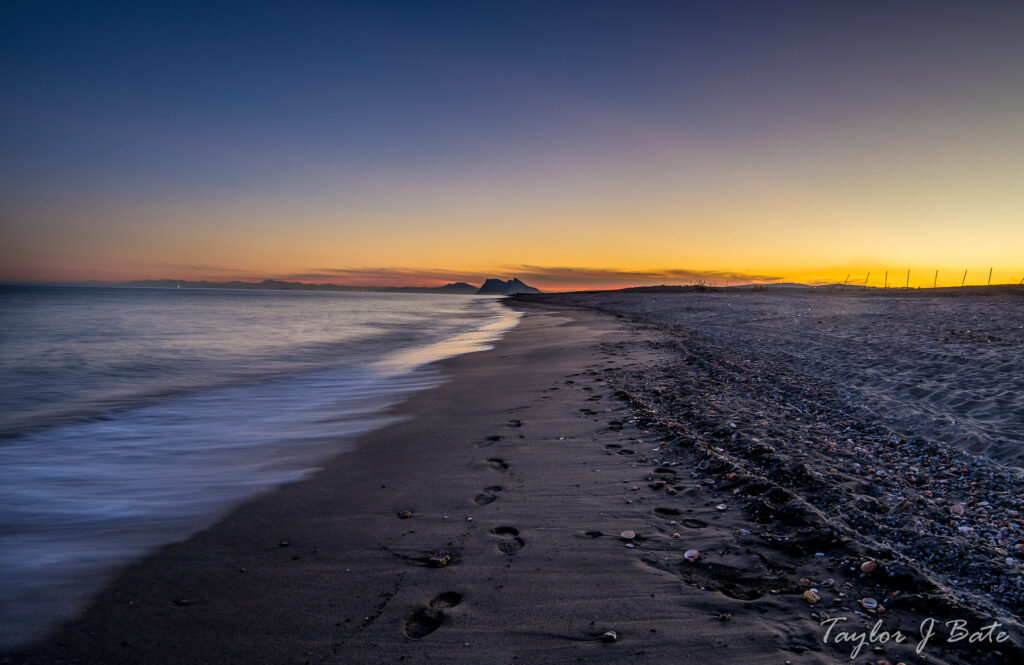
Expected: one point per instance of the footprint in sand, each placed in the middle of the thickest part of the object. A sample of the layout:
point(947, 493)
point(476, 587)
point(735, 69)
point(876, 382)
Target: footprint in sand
point(488, 495)
point(497, 464)
point(510, 542)
point(514, 424)
point(428, 619)
point(490, 441)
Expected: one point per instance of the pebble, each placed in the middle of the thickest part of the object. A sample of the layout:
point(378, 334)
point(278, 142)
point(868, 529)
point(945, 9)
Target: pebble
point(628, 535)
point(812, 597)
point(439, 560)
point(610, 636)
point(405, 514)
point(868, 566)
point(692, 555)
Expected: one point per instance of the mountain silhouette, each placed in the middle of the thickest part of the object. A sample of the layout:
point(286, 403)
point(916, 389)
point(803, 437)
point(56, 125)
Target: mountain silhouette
point(496, 287)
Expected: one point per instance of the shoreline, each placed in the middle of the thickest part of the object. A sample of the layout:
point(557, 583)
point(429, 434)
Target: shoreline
point(534, 441)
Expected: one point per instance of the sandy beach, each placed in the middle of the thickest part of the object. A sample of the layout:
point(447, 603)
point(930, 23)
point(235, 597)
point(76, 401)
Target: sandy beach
point(609, 486)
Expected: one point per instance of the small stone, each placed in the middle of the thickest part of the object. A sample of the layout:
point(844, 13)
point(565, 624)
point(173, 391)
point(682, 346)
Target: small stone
point(869, 603)
point(868, 566)
point(405, 514)
point(627, 535)
point(957, 509)
point(812, 597)
point(691, 555)
point(722, 507)
point(610, 636)
point(439, 560)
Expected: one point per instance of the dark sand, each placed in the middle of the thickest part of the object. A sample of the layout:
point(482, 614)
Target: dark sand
point(524, 470)
point(946, 363)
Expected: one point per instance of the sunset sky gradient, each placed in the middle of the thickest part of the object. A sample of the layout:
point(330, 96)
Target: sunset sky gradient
point(570, 144)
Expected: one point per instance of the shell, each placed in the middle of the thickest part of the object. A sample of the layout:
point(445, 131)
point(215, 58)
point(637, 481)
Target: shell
point(869, 603)
point(628, 535)
point(692, 555)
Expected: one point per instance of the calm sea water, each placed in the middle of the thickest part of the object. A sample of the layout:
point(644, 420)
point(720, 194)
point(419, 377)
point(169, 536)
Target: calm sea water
point(130, 418)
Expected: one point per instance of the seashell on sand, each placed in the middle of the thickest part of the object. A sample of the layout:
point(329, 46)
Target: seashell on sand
point(869, 603)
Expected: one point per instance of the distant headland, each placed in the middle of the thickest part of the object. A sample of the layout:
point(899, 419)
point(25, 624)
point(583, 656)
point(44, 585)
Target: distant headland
point(490, 287)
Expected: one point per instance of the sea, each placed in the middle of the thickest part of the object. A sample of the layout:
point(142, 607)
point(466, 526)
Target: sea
point(134, 417)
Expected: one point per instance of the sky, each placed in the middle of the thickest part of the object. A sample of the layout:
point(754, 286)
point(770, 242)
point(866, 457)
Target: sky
point(574, 145)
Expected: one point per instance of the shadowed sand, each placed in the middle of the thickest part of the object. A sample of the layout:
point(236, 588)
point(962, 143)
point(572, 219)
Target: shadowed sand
point(485, 528)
